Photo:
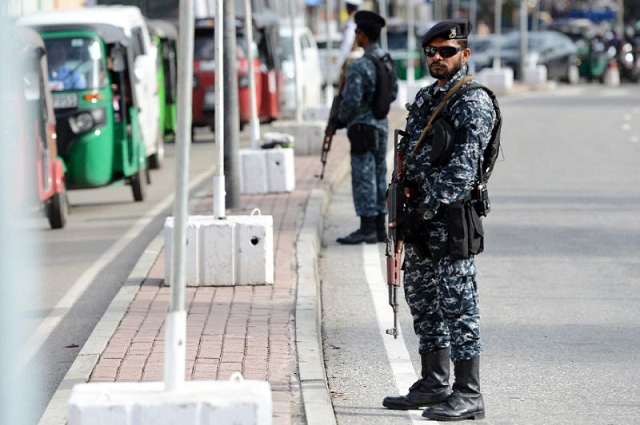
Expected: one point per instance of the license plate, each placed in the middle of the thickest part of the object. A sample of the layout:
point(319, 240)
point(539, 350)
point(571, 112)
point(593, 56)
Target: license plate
point(210, 98)
point(62, 101)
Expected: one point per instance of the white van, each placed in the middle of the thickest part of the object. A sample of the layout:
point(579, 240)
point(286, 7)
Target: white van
point(130, 19)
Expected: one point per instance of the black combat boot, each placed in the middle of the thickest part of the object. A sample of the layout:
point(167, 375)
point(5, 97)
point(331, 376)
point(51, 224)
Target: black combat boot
point(431, 389)
point(381, 227)
point(465, 402)
point(366, 233)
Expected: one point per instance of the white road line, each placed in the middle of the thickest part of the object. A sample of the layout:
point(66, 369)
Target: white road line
point(60, 311)
point(397, 353)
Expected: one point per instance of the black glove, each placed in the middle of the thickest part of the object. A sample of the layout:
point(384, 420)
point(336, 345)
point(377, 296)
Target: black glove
point(411, 226)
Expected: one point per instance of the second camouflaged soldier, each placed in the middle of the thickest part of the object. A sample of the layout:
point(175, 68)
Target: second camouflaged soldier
point(439, 271)
point(367, 135)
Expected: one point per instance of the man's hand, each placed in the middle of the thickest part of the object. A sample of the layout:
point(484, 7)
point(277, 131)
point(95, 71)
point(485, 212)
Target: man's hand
point(410, 226)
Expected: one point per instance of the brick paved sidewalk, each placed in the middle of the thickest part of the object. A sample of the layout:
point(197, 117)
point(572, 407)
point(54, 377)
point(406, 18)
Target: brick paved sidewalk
point(247, 329)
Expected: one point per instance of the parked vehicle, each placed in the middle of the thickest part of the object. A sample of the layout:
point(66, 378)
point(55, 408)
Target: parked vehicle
point(300, 44)
point(593, 54)
point(266, 64)
point(41, 172)
point(552, 49)
point(483, 48)
point(133, 24)
point(97, 104)
point(165, 35)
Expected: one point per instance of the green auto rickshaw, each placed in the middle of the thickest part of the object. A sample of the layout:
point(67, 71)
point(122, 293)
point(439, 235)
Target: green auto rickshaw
point(93, 85)
point(165, 36)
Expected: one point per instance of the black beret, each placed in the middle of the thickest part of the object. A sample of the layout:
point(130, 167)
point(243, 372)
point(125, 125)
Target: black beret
point(454, 29)
point(369, 23)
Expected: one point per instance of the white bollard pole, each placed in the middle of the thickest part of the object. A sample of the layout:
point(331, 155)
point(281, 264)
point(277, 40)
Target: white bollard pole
point(219, 192)
point(176, 330)
point(296, 65)
point(255, 122)
point(330, 65)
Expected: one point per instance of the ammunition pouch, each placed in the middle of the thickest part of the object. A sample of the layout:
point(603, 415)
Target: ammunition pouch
point(444, 138)
point(466, 234)
point(362, 138)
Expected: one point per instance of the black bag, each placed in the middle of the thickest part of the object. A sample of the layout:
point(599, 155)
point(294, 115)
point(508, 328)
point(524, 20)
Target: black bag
point(466, 234)
point(362, 138)
point(385, 81)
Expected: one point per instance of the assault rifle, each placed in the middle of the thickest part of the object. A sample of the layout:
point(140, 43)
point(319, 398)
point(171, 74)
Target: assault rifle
point(395, 205)
point(329, 131)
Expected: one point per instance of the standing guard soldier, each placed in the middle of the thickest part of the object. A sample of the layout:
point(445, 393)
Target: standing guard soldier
point(439, 273)
point(367, 134)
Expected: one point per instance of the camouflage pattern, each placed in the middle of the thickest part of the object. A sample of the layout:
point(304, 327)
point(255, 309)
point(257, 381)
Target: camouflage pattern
point(442, 291)
point(368, 170)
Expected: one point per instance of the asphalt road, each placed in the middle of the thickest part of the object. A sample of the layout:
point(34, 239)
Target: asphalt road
point(559, 285)
point(76, 271)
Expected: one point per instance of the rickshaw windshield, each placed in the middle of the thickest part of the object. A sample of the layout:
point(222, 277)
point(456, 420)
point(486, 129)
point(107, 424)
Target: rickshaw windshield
point(75, 63)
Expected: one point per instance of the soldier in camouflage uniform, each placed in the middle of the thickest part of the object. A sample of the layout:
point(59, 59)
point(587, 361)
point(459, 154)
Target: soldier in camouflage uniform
point(367, 135)
point(440, 288)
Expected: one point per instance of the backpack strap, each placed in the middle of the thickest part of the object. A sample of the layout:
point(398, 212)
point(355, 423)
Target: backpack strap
point(482, 172)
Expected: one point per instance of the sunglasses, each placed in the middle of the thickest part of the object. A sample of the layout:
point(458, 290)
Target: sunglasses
point(444, 51)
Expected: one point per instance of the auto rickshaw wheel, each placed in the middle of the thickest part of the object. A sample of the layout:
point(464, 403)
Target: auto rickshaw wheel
point(138, 185)
point(58, 209)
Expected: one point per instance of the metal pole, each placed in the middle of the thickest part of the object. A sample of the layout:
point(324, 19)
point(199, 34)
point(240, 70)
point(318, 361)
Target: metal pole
point(232, 114)
point(473, 16)
point(523, 37)
point(176, 329)
point(219, 193)
point(497, 31)
point(384, 43)
point(620, 18)
point(411, 41)
point(296, 65)
point(329, 66)
point(255, 123)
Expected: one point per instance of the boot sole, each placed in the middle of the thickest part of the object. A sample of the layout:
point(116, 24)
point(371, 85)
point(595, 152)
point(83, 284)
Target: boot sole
point(396, 407)
point(472, 416)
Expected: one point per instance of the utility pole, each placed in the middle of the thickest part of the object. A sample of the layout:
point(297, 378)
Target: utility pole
point(255, 123)
point(523, 37)
point(620, 17)
point(497, 31)
point(232, 121)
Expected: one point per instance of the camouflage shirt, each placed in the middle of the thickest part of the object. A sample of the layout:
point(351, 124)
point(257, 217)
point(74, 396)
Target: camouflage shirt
point(472, 112)
point(356, 106)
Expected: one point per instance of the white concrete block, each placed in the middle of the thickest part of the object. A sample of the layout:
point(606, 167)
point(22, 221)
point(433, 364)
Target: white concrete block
point(237, 250)
point(498, 80)
point(254, 171)
point(281, 171)
point(267, 170)
point(254, 240)
point(148, 403)
point(536, 75)
point(219, 253)
point(308, 135)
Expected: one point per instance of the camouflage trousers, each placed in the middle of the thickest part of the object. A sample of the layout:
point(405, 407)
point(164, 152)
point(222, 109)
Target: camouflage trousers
point(443, 299)
point(369, 178)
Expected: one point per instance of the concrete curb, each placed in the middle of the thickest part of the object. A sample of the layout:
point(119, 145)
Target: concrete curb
point(313, 381)
point(80, 371)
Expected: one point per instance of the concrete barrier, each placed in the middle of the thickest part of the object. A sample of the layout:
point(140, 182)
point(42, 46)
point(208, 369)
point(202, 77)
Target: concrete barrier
point(148, 403)
point(237, 250)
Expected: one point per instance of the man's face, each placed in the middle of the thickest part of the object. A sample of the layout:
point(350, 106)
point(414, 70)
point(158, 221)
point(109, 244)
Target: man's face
point(443, 68)
point(359, 35)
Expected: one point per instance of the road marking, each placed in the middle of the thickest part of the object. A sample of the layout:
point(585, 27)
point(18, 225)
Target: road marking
point(399, 359)
point(79, 287)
